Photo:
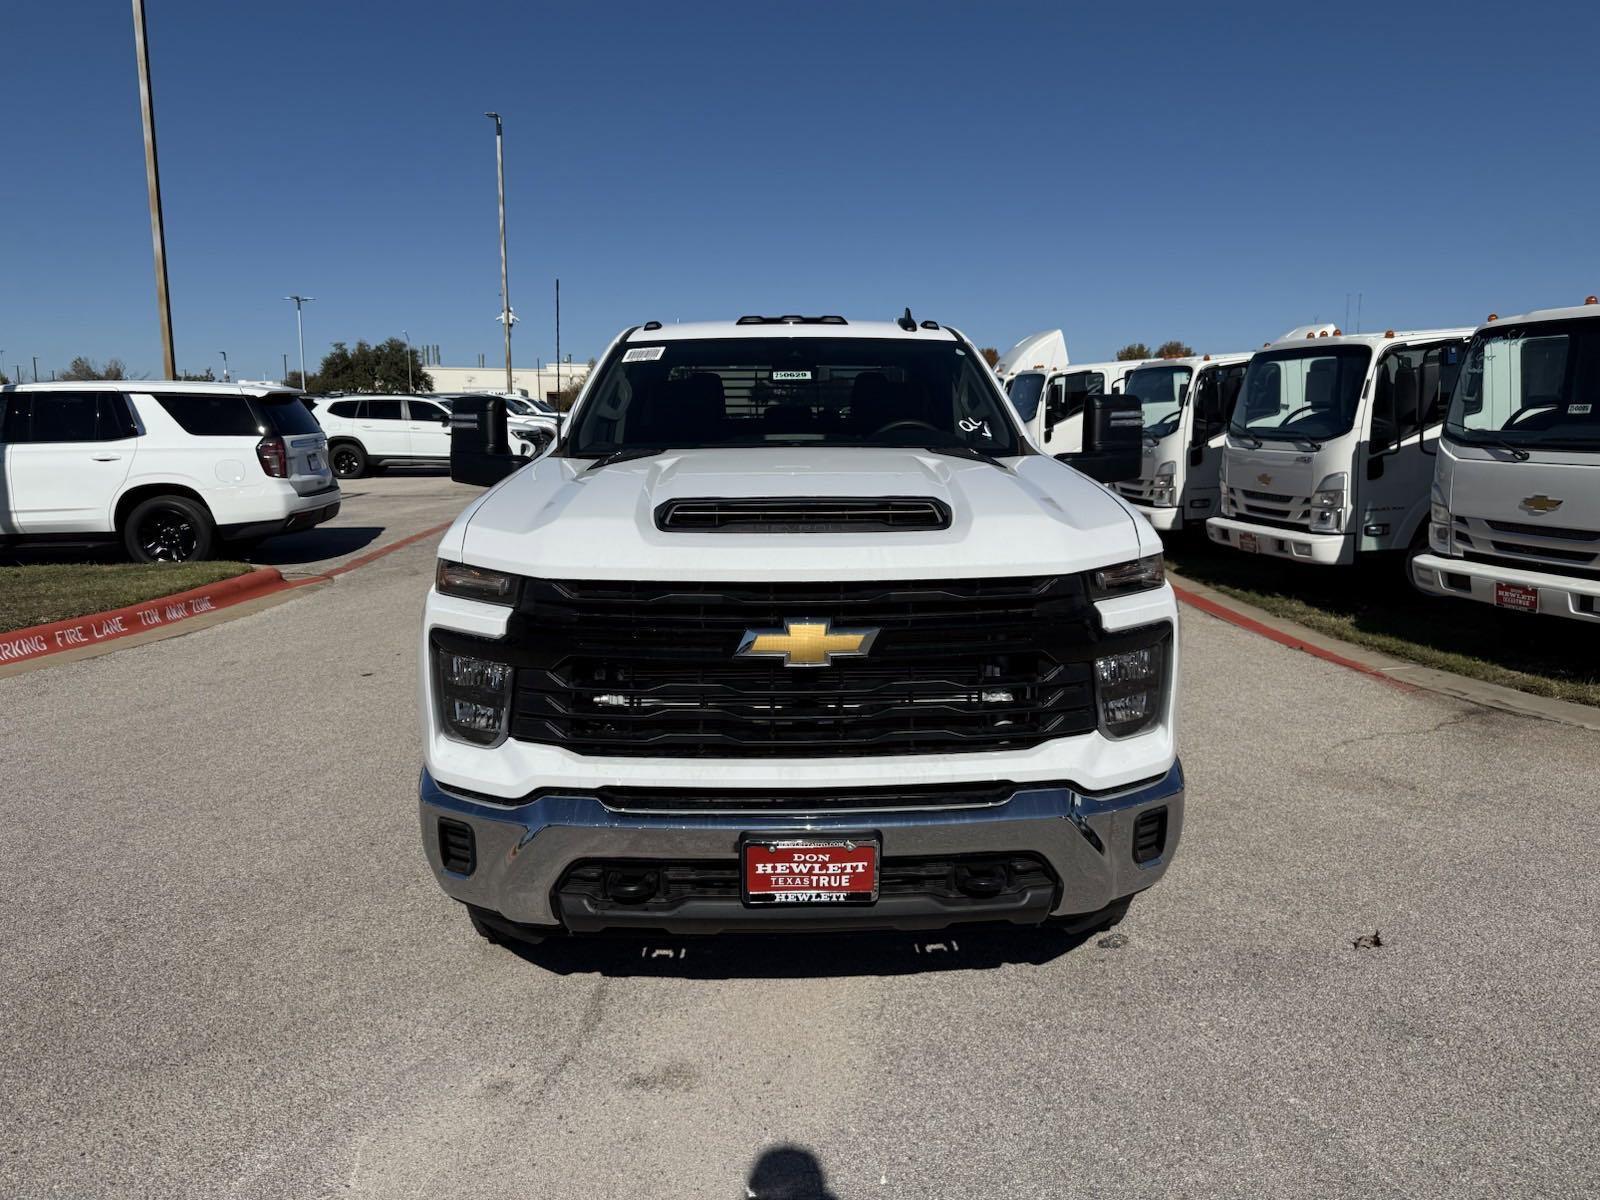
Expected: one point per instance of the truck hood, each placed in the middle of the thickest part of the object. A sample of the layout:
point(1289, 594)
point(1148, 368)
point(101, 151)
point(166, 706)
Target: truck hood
point(558, 518)
point(1476, 483)
point(1281, 468)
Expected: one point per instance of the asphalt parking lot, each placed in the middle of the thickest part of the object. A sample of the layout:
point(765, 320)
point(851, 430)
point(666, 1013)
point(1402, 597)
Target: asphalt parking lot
point(226, 970)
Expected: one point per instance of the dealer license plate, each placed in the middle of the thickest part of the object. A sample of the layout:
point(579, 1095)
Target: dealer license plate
point(810, 870)
point(1516, 596)
point(1247, 541)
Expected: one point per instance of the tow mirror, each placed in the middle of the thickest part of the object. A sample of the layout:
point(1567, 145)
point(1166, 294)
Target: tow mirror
point(480, 452)
point(1113, 438)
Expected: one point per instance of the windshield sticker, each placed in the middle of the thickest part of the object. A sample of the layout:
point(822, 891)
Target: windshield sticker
point(644, 354)
point(791, 376)
point(1579, 410)
point(969, 425)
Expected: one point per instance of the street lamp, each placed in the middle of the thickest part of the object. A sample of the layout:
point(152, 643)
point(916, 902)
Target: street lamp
point(505, 281)
point(409, 388)
point(224, 354)
point(300, 332)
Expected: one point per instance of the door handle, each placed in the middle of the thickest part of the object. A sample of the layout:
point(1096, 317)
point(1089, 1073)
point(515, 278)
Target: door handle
point(107, 458)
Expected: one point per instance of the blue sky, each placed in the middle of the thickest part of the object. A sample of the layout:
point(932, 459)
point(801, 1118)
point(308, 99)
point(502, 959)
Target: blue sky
point(1215, 173)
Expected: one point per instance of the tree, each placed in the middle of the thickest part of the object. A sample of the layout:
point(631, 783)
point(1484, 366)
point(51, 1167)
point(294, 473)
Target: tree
point(1132, 351)
point(1174, 349)
point(369, 368)
point(85, 368)
point(293, 380)
point(204, 377)
point(990, 355)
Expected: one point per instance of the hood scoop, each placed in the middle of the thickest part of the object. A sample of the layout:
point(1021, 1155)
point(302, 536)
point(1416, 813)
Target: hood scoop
point(803, 514)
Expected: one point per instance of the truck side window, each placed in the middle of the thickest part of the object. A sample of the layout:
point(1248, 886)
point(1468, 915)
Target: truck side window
point(1411, 389)
point(1215, 395)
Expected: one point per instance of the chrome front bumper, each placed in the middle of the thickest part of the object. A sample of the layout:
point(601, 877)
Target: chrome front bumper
point(523, 850)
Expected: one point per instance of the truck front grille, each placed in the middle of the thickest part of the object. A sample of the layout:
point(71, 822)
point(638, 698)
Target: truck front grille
point(1549, 548)
point(651, 669)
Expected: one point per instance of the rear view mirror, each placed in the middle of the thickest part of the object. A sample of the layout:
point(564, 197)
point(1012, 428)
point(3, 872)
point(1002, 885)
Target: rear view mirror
point(1113, 438)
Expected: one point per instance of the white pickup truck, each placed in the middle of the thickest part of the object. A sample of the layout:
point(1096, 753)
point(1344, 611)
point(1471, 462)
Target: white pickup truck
point(796, 628)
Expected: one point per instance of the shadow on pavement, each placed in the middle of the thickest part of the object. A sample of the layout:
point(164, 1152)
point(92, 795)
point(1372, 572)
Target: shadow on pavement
point(788, 1172)
point(801, 956)
point(314, 545)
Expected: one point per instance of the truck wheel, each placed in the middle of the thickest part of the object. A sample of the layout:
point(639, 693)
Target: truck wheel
point(168, 529)
point(1419, 546)
point(349, 460)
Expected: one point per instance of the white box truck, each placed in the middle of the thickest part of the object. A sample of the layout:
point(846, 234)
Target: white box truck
point(1329, 452)
point(1515, 518)
point(1185, 403)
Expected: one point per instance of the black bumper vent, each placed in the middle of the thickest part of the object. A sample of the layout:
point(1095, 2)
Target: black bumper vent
point(458, 849)
point(804, 514)
point(1150, 835)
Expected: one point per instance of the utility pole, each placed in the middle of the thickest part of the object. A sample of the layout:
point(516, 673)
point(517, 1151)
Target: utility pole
point(285, 375)
point(409, 388)
point(300, 332)
point(152, 173)
point(224, 354)
point(558, 339)
point(36, 368)
point(505, 278)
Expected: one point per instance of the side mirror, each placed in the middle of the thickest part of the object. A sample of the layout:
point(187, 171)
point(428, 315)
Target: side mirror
point(1113, 438)
point(479, 450)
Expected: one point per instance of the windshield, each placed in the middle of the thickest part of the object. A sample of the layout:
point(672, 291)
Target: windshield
point(788, 391)
point(1025, 392)
point(1531, 385)
point(1301, 394)
point(519, 406)
point(1161, 392)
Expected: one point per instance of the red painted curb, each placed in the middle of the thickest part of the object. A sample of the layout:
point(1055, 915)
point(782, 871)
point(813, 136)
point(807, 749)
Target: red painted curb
point(21, 645)
point(1233, 617)
point(40, 641)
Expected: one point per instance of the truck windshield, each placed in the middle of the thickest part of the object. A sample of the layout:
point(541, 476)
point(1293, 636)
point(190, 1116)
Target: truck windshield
point(1025, 391)
point(1289, 395)
point(1161, 391)
point(1530, 385)
point(794, 391)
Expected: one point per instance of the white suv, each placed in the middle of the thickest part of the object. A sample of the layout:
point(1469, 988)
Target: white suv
point(373, 431)
point(171, 470)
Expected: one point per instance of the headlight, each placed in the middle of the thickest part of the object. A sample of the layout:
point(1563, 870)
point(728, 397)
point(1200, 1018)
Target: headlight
point(1164, 489)
point(1130, 688)
point(475, 583)
point(1136, 575)
point(1327, 504)
point(1439, 514)
point(474, 696)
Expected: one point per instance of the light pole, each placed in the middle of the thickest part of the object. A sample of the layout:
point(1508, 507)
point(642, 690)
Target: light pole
point(300, 332)
point(224, 354)
point(505, 278)
point(158, 236)
point(409, 388)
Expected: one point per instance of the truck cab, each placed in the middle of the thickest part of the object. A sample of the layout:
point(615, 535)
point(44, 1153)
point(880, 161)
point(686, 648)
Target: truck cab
point(1515, 513)
point(1050, 402)
point(1330, 447)
point(1185, 404)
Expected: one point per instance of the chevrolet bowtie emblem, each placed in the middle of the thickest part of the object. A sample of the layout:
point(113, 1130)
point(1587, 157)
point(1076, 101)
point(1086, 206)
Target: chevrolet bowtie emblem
point(806, 642)
point(1264, 479)
point(1541, 504)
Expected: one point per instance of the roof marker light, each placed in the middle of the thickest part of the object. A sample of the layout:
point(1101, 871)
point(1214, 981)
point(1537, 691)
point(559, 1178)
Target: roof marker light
point(1591, 299)
point(1337, 332)
point(1388, 333)
point(1205, 358)
point(1494, 316)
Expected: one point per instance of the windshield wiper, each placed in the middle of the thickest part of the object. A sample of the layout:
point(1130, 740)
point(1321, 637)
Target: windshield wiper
point(1310, 444)
point(964, 451)
point(626, 454)
point(1247, 438)
point(1516, 452)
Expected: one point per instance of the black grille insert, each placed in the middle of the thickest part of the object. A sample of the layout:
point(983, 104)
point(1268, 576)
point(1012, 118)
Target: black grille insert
point(458, 849)
point(637, 668)
point(804, 514)
point(713, 799)
point(1150, 835)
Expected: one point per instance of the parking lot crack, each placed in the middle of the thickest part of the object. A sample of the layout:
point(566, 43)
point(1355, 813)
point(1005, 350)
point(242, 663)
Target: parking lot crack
point(1459, 719)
